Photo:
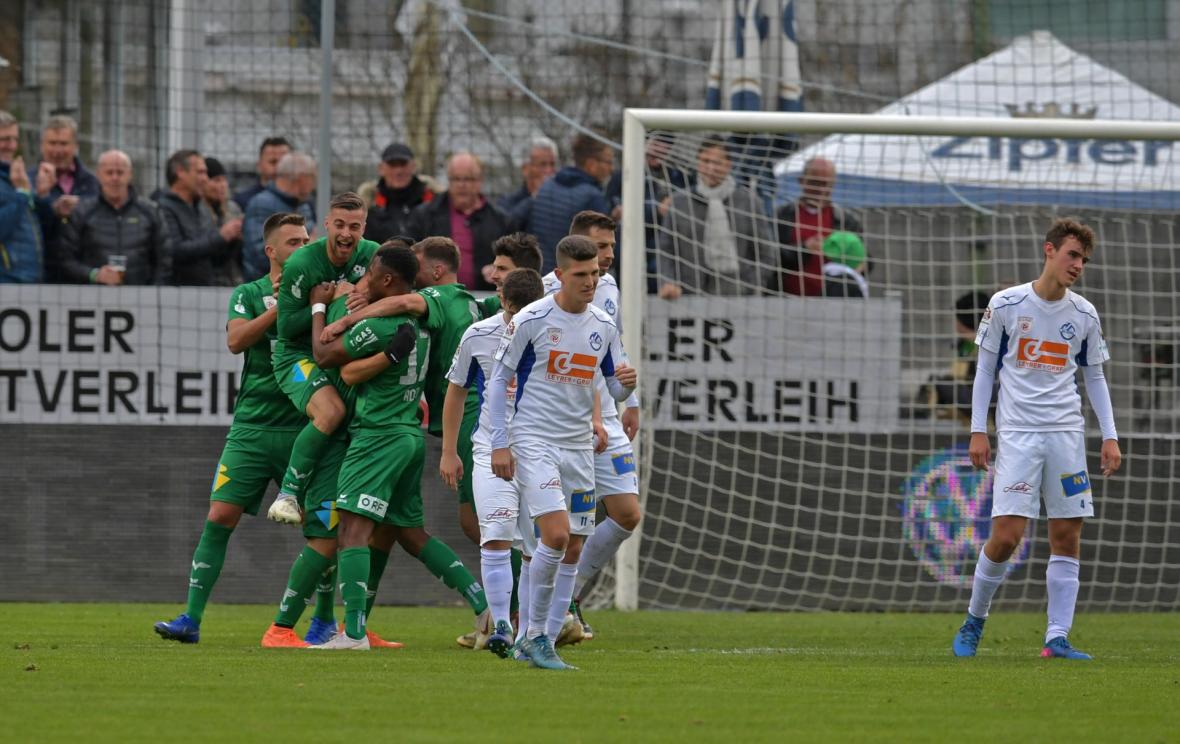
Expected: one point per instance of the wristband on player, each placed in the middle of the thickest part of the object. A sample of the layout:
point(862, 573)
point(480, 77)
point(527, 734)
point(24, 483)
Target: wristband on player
point(402, 343)
point(319, 307)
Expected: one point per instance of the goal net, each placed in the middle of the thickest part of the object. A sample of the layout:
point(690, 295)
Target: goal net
point(806, 373)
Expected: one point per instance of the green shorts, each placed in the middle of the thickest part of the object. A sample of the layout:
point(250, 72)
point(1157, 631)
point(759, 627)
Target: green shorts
point(298, 377)
point(381, 477)
point(251, 459)
point(319, 498)
point(466, 492)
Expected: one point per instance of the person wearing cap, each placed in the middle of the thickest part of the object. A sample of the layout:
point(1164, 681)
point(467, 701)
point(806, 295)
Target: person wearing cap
point(270, 152)
point(224, 209)
point(804, 224)
point(718, 241)
point(844, 267)
point(398, 191)
point(464, 215)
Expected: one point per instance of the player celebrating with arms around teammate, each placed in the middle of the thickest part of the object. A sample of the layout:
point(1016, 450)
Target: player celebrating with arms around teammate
point(1037, 335)
point(553, 347)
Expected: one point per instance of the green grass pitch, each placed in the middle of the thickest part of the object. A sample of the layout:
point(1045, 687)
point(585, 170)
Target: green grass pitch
point(96, 672)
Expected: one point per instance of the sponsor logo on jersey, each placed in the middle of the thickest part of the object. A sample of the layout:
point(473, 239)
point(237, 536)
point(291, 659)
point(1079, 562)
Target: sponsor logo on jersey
point(239, 306)
point(503, 514)
point(327, 515)
point(987, 314)
point(269, 301)
point(358, 270)
point(569, 368)
point(297, 287)
point(221, 477)
point(372, 504)
point(1019, 487)
point(363, 334)
point(551, 483)
point(301, 370)
point(554, 335)
point(624, 462)
point(1047, 356)
point(609, 306)
point(1024, 324)
point(582, 501)
point(1067, 331)
point(1073, 484)
point(595, 341)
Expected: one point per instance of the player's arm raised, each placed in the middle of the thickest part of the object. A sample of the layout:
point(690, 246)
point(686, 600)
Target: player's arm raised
point(407, 304)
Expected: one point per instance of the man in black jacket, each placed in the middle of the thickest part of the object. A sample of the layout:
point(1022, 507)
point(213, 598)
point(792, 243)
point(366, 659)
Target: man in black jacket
point(399, 190)
point(115, 237)
point(61, 182)
point(199, 246)
point(462, 214)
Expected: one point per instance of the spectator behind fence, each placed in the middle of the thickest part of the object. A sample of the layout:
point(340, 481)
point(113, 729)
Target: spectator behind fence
point(21, 253)
point(538, 166)
point(574, 189)
point(116, 237)
point(718, 239)
point(272, 150)
point(60, 180)
point(397, 192)
point(462, 214)
point(199, 247)
point(293, 186)
point(845, 266)
point(224, 210)
point(804, 224)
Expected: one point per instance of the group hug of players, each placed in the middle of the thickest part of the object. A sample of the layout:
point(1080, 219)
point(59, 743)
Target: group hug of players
point(340, 353)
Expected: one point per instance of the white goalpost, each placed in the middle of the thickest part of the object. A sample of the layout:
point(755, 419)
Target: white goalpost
point(808, 452)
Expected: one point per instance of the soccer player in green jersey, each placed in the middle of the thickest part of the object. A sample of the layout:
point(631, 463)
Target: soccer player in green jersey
point(342, 255)
point(263, 431)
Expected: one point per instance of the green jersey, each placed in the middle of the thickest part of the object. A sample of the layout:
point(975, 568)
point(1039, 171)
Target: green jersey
point(306, 268)
point(489, 306)
point(449, 310)
point(391, 398)
point(260, 402)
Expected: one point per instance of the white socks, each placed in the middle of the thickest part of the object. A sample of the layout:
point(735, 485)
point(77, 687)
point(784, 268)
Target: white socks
point(496, 568)
point(542, 576)
point(563, 592)
point(523, 597)
point(1061, 577)
point(598, 550)
point(988, 577)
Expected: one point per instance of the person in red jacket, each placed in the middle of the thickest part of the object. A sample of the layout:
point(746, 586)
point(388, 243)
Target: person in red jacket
point(804, 224)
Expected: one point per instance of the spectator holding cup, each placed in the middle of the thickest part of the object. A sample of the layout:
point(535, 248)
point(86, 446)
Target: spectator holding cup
point(116, 237)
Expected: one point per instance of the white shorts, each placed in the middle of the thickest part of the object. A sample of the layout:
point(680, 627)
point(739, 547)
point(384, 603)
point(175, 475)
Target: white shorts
point(497, 502)
point(614, 469)
point(1032, 464)
point(555, 478)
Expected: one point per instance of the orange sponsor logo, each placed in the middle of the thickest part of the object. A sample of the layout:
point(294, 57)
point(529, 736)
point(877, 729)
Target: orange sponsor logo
point(1048, 356)
point(570, 368)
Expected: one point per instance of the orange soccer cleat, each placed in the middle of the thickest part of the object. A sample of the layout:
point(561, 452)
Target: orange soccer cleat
point(277, 637)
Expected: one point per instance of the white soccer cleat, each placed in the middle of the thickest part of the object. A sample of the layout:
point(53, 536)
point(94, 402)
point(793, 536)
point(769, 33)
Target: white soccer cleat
point(483, 630)
point(285, 510)
point(341, 642)
point(571, 631)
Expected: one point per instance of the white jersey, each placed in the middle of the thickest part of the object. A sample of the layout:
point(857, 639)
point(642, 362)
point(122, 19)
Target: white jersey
point(1040, 346)
point(472, 368)
point(606, 298)
point(555, 355)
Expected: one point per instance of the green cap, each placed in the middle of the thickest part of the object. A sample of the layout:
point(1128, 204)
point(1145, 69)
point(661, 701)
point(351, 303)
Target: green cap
point(844, 247)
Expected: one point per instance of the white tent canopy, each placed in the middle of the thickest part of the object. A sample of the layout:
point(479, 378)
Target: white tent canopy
point(1037, 76)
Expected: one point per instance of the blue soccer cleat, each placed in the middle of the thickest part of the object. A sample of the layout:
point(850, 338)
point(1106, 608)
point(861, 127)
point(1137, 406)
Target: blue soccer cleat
point(181, 629)
point(500, 641)
point(541, 653)
point(1059, 648)
point(967, 639)
point(320, 631)
point(518, 652)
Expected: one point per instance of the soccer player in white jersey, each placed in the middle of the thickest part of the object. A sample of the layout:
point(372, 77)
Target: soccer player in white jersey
point(1037, 335)
point(497, 501)
point(616, 482)
point(554, 347)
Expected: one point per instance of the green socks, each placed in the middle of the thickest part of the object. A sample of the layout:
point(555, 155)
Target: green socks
point(377, 561)
point(516, 560)
point(325, 594)
point(306, 572)
point(305, 453)
point(208, 559)
point(352, 566)
point(441, 561)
